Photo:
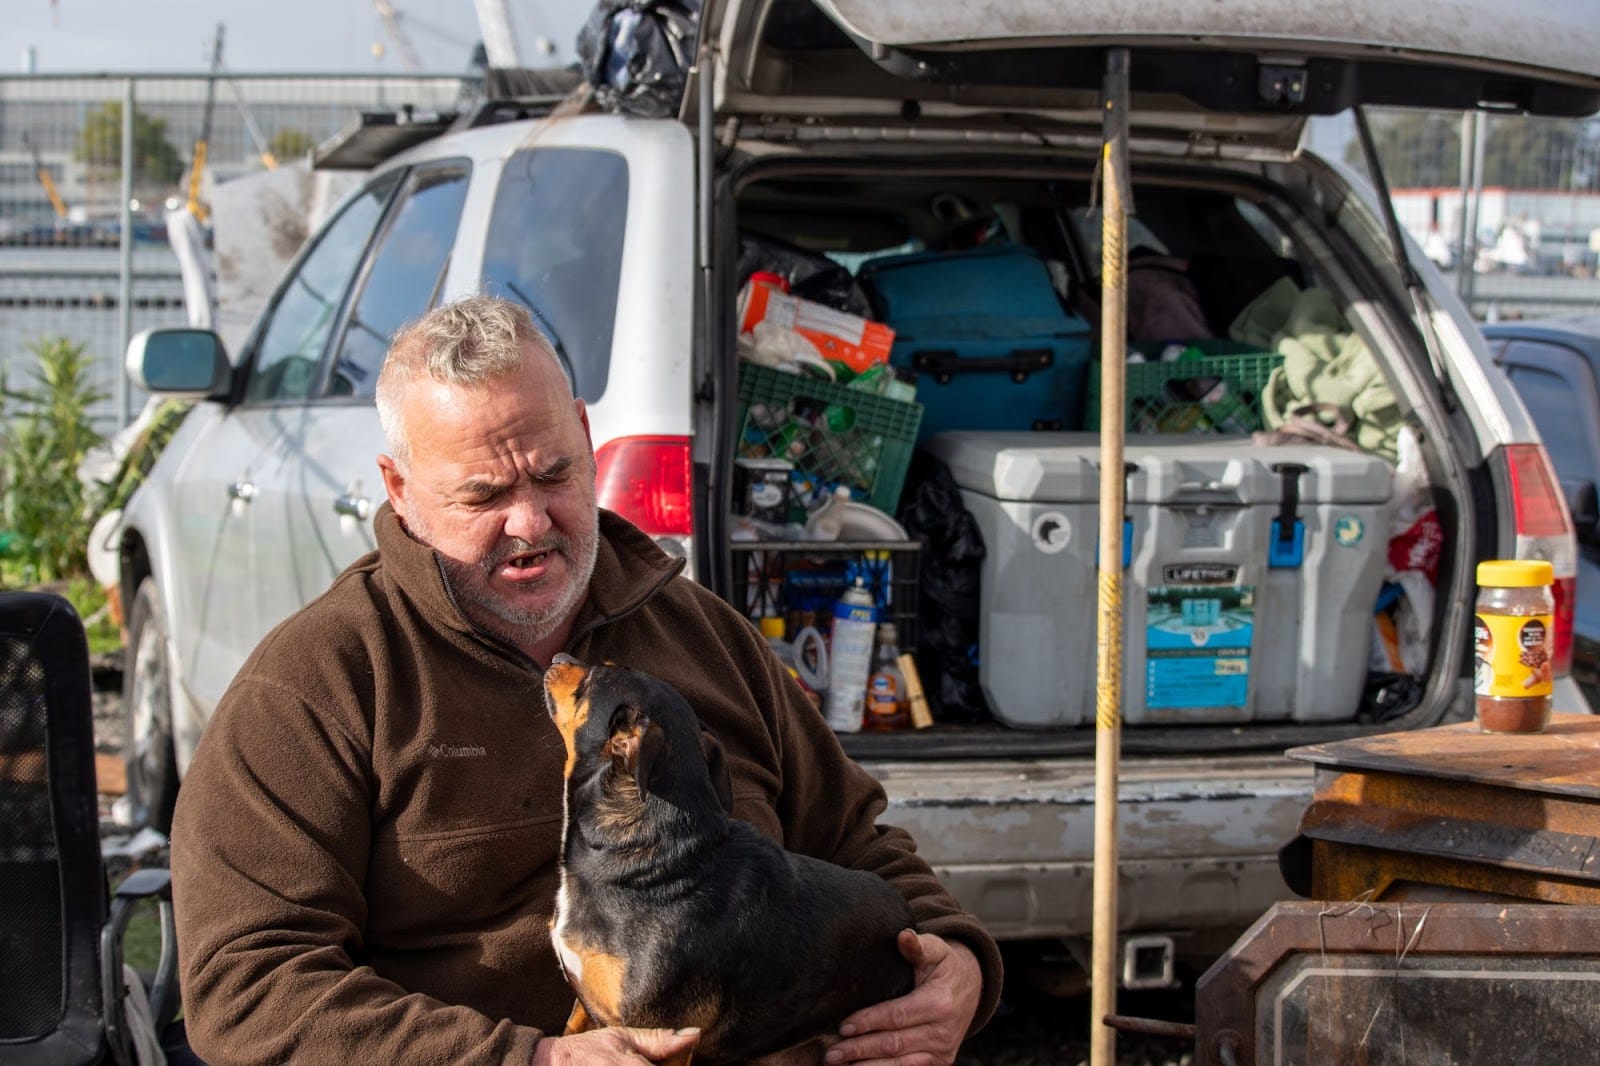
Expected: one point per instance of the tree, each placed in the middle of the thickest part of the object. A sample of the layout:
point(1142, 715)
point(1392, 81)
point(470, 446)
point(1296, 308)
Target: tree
point(1417, 148)
point(1423, 148)
point(100, 144)
point(289, 143)
point(1530, 153)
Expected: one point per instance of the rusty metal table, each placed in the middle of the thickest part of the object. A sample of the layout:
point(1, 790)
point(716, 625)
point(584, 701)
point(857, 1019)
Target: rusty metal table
point(1453, 809)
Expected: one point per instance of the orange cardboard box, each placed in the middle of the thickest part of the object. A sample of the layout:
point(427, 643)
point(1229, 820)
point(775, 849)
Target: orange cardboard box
point(841, 337)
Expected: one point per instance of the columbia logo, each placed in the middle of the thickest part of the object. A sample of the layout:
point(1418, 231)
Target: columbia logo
point(450, 751)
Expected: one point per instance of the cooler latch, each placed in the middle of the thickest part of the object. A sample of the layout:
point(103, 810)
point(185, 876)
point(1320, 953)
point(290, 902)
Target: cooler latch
point(1287, 548)
point(1128, 470)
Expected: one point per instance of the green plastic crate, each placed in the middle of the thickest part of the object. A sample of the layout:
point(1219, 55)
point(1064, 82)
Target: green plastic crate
point(1218, 392)
point(836, 434)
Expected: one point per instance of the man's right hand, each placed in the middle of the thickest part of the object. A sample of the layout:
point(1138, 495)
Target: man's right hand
point(604, 1046)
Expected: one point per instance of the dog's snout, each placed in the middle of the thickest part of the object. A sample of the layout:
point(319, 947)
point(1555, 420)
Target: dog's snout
point(561, 683)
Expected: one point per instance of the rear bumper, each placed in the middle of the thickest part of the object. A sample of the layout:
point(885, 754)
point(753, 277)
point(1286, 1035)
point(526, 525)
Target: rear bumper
point(1014, 839)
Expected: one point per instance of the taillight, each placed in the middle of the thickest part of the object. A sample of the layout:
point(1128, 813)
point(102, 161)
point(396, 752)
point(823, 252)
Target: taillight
point(1565, 591)
point(647, 481)
point(1535, 493)
point(1544, 531)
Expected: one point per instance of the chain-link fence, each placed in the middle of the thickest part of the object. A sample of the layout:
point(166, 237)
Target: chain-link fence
point(63, 174)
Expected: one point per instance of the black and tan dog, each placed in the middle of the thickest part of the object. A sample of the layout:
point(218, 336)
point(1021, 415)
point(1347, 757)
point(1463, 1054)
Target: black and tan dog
point(671, 914)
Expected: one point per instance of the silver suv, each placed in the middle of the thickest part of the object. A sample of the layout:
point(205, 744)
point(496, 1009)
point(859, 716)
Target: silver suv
point(862, 128)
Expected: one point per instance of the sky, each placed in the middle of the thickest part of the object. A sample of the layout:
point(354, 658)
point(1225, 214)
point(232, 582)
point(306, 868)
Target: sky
point(74, 36)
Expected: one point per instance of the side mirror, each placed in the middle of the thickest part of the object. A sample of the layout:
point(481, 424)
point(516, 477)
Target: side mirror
point(1584, 506)
point(181, 363)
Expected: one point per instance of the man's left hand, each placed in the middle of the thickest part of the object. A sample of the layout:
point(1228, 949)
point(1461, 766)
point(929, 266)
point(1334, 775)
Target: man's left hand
point(926, 1025)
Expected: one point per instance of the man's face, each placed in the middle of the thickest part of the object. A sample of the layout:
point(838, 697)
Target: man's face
point(501, 485)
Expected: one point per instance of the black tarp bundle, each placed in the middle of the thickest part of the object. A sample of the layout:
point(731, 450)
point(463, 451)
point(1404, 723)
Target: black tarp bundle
point(810, 275)
point(950, 563)
point(637, 54)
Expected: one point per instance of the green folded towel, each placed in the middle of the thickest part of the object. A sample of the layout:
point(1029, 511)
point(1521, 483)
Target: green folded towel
point(1324, 362)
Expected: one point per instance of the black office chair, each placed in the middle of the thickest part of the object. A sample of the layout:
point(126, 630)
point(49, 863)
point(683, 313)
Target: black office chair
point(61, 978)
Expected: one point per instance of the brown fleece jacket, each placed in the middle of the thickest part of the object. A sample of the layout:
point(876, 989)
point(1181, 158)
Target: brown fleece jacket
point(364, 851)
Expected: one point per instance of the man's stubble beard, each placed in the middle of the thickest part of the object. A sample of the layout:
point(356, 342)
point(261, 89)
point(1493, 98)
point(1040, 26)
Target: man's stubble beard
point(468, 584)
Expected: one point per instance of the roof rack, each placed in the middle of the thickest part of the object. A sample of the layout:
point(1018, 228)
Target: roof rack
point(379, 135)
point(512, 94)
point(515, 93)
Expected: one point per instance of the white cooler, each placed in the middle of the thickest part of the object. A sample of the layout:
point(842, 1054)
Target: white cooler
point(1252, 574)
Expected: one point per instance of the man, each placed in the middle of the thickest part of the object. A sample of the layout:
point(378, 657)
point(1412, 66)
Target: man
point(365, 847)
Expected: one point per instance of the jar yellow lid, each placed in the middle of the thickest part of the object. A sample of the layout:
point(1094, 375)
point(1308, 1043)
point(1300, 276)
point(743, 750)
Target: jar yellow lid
point(1515, 573)
point(771, 626)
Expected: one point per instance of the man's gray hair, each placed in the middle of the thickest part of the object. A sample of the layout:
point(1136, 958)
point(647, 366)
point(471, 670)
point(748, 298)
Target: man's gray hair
point(468, 342)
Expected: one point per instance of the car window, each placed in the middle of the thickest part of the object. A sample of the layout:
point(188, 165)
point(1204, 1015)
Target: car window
point(1086, 222)
point(555, 245)
point(1558, 411)
point(404, 278)
point(290, 344)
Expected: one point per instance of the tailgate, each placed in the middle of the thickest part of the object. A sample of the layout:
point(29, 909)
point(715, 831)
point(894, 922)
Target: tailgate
point(1014, 839)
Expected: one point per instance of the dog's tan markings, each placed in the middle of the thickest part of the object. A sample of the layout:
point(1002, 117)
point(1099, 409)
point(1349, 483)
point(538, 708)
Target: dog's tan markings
point(700, 1014)
point(603, 977)
point(624, 746)
point(561, 683)
point(578, 1021)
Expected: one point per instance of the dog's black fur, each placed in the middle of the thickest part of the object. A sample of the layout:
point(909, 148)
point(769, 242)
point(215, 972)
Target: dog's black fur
point(713, 924)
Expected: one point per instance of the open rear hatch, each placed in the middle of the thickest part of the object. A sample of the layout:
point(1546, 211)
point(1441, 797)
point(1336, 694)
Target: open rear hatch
point(1233, 80)
point(1240, 74)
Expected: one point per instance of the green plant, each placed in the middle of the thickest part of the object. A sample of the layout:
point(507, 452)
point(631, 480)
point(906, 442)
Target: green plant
point(44, 506)
point(89, 600)
point(289, 144)
point(100, 144)
point(141, 945)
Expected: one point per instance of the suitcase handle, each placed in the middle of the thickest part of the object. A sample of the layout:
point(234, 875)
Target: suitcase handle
point(944, 365)
point(1207, 494)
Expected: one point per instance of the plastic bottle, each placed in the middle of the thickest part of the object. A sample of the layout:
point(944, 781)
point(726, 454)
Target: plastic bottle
point(850, 658)
point(827, 521)
point(886, 689)
point(772, 627)
point(811, 658)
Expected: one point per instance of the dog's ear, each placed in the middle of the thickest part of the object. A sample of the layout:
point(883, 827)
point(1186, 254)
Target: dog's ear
point(635, 742)
point(721, 779)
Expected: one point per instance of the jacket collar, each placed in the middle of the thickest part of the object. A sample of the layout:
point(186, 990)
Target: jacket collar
point(628, 569)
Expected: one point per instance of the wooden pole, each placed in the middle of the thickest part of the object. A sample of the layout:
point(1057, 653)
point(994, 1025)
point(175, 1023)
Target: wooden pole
point(1108, 642)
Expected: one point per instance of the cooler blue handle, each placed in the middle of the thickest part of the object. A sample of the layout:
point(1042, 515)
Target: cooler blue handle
point(1127, 545)
point(1286, 553)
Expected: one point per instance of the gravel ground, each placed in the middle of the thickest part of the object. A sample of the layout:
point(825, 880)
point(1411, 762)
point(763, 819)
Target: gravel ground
point(1030, 1029)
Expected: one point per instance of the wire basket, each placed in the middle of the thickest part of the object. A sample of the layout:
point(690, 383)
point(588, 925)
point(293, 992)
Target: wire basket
point(785, 579)
point(835, 434)
point(1214, 391)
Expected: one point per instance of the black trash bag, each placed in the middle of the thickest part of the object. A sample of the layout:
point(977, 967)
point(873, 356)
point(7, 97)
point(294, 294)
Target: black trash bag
point(637, 54)
point(811, 276)
point(1387, 696)
point(951, 561)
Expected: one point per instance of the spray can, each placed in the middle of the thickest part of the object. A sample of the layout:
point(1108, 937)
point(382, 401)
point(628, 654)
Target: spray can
point(850, 658)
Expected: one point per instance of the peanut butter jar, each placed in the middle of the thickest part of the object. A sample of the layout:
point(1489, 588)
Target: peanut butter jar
point(1512, 643)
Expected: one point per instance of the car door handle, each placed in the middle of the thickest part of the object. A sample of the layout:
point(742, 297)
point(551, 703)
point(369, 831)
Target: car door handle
point(242, 490)
point(357, 507)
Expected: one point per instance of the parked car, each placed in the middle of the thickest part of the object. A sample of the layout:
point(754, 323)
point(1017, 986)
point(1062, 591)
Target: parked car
point(1555, 366)
point(861, 129)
